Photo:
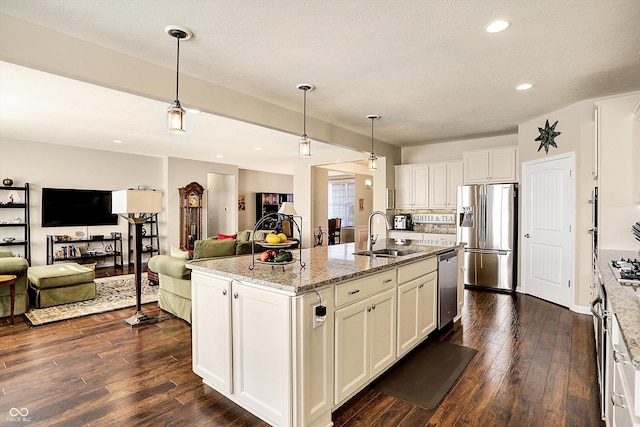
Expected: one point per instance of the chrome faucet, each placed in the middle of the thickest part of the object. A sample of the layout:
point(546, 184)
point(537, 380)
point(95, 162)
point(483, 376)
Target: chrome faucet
point(371, 240)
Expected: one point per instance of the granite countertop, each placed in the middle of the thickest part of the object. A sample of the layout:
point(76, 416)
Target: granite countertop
point(624, 301)
point(324, 265)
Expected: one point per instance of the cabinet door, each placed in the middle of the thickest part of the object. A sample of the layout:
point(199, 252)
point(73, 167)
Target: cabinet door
point(421, 186)
point(408, 333)
point(351, 349)
point(438, 189)
point(476, 167)
point(404, 187)
point(502, 165)
point(455, 177)
point(382, 331)
point(211, 345)
point(427, 310)
point(261, 356)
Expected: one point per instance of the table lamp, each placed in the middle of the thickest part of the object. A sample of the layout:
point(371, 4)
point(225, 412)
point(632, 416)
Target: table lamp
point(136, 206)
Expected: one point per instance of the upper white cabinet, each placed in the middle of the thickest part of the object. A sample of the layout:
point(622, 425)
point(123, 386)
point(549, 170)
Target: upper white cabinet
point(412, 185)
point(636, 154)
point(444, 179)
point(493, 165)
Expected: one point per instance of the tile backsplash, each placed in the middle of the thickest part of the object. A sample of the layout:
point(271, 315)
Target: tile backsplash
point(440, 218)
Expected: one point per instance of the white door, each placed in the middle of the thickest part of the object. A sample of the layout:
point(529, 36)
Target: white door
point(382, 331)
point(351, 348)
point(548, 202)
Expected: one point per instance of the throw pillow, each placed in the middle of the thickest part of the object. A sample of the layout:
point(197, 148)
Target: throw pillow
point(244, 236)
point(226, 236)
point(179, 253)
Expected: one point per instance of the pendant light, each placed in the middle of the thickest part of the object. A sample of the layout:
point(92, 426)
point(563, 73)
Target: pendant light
point(373, 160)
point(175, 113)
point(305, 142)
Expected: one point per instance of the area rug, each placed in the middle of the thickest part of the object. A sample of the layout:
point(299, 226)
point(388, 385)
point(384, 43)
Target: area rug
point(427, 374)
point(112, 293)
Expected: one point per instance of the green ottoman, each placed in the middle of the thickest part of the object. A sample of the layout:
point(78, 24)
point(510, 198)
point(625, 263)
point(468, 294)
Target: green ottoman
point(61, 284)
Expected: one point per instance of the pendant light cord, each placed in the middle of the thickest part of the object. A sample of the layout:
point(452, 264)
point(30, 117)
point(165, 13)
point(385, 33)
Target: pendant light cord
point(177, 68)
point(372, 135)
point(304, 120)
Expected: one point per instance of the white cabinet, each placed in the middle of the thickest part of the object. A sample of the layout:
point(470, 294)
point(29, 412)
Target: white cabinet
point(412, 186)
point(497, 165)
point(624, 401)
point(365, 338)
point(261, 339)
point(238, 330)
point(416, 311)
point(416, 303)
point(211, 346)
point(444, 179)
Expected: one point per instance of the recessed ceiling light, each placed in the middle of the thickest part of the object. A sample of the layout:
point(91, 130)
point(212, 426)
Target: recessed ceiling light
point(219, 156)
point(524, 86)
point(497, 26)
point(258, 148)
point(192, 110)
point(117, 141)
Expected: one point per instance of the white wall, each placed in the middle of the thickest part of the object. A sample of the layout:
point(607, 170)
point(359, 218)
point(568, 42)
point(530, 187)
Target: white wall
point(48, 165)
point(618, 212)
point(252, 182)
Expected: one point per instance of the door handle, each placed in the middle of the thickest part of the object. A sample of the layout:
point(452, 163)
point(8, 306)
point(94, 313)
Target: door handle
point(527, 235)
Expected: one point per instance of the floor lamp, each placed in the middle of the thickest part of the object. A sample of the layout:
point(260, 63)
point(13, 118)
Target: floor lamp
point(136, 206)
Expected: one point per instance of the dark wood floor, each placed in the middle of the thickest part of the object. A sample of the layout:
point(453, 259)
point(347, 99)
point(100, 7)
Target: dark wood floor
point(535, 366)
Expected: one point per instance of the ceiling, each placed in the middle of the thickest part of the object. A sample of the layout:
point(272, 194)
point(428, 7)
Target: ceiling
point(427, 67)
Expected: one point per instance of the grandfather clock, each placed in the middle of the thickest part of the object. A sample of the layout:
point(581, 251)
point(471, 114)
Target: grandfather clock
point(190, 214)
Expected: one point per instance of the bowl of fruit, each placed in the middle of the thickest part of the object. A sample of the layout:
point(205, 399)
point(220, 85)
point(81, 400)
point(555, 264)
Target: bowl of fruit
point(276, 241)
point(271, 256)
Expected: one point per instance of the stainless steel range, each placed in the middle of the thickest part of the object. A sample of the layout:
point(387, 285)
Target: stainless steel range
point(627, 271)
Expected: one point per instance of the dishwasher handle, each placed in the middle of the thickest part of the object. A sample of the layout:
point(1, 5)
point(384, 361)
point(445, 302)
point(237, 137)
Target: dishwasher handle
point(447, 256)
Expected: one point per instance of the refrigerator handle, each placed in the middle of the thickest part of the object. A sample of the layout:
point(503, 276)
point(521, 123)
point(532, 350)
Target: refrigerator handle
point(482, 217)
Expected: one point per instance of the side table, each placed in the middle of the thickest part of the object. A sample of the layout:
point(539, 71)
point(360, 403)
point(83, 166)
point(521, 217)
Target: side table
point(10, 280)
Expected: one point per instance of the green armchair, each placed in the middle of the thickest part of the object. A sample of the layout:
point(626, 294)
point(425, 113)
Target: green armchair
point(9, 264)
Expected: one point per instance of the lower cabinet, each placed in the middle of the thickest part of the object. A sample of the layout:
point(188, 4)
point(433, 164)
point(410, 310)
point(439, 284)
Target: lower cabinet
point(264, 350)
point(624, 401)
point(211, 355)
point(416, 311)
point(364, 342)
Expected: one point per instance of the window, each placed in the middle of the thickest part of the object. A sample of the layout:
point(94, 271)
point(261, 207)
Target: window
point(342, 197)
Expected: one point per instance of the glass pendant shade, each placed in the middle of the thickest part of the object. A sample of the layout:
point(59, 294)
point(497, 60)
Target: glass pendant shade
point(373, 162)
point(305, 146)
point(175, 118)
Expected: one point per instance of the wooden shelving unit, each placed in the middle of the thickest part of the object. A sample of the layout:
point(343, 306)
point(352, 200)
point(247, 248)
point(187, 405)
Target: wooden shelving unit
point(150, 237)
point(78, 250)
point(14, 205)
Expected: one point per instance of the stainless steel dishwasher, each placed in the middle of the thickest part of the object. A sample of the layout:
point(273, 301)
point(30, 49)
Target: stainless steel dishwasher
point(447, 287)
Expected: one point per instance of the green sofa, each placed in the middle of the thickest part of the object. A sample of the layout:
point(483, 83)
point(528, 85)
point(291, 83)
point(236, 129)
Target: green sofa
point(9, 264)
point(174, 293)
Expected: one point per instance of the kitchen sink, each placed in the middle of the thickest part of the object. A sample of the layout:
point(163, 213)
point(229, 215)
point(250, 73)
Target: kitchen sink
point(387, 252)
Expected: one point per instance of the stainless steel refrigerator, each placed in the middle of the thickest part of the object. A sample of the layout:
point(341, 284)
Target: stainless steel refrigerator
point(487, 221)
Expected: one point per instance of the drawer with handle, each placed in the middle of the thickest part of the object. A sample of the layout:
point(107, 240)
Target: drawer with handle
point(357, 289)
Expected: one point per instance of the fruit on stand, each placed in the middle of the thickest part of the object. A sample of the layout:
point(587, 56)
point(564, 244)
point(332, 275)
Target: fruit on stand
point(283, 237)
point(272, 238)
point(276, 256)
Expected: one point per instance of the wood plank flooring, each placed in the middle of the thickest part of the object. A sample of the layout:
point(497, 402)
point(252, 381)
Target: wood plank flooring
point(535, 367)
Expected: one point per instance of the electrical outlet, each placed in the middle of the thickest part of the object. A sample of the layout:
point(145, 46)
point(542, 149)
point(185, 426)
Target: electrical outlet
point(319, 315)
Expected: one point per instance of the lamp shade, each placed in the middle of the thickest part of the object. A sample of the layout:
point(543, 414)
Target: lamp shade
point(136, 202)
point(287, 209)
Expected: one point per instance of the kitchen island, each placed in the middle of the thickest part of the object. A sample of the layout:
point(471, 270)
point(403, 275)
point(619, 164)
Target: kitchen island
point(292, 344)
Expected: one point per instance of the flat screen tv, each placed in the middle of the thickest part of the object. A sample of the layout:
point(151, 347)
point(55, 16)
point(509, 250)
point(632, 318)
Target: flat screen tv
point(69, 207)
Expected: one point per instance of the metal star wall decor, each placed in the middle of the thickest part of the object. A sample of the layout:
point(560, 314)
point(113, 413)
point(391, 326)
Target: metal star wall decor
point(547, 136)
